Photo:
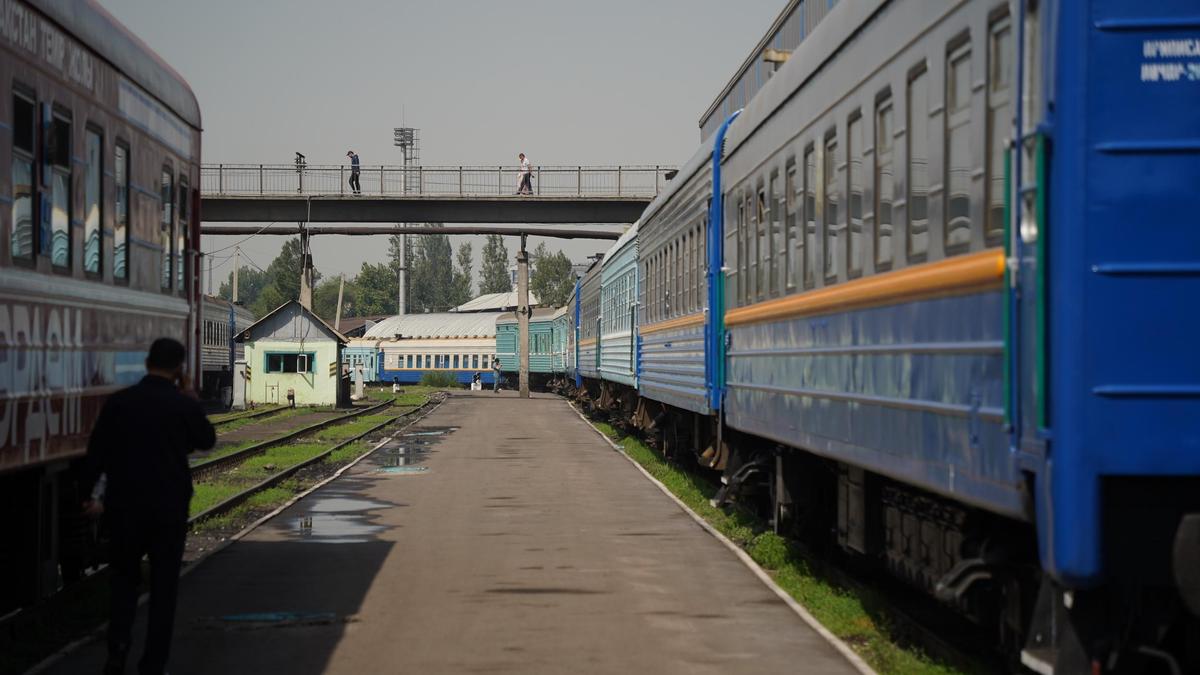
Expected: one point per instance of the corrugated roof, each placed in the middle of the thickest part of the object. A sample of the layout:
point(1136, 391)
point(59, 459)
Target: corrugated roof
point(440, 325)
point(492, 302)
point(539, 314)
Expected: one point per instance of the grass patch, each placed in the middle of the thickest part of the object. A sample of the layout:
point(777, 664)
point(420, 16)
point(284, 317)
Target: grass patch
point(438, 380)
point(224, 418)
point(858, 618)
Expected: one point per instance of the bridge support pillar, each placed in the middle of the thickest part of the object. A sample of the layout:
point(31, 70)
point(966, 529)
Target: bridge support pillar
point(523, 313)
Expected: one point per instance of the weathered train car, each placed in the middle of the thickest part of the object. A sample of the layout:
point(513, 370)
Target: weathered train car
point(461, 344)
point(221, 321)
point(618, 298)
point(588, 362)
point(541, 345)
point(100, 163)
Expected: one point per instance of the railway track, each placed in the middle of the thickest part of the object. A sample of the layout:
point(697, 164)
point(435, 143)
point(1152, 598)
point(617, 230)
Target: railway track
point(208, 466)
point(235, 500)
point(237, 417)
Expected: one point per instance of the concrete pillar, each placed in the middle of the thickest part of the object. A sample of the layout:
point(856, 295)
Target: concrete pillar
point(523, 316)
point(239, 385)
point(306, 271)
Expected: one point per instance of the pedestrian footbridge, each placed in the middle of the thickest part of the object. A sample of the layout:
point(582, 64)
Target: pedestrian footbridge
point(455, 194)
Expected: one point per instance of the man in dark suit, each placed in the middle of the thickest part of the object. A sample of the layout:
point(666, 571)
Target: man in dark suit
point(140, 444)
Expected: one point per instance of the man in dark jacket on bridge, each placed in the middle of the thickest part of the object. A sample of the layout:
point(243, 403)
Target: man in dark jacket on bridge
point(141, 443)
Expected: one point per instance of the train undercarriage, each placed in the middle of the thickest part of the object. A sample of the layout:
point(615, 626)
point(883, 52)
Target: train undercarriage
point(981, 566)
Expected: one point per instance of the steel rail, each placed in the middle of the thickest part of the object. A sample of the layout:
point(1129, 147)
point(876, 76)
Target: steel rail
point(234, 500)
point(258, 413)
point(207, 466)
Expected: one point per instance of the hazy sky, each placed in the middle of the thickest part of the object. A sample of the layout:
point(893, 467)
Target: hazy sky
point(565, 81)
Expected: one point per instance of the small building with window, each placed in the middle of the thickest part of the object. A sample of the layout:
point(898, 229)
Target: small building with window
point(292, 350)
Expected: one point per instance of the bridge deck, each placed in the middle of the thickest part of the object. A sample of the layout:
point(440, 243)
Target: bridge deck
point(242, 208)
point(525, 546)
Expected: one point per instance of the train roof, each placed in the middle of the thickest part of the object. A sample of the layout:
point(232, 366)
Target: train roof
point(92, 25)
point(223, 304)
point(702, 156)
point(624, 239)
point(839, 27)
point(539, 314)
point(491, 302)
point(439, 325)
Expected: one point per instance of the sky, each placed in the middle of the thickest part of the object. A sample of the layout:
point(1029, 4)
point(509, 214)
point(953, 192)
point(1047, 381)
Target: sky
point(565, 81)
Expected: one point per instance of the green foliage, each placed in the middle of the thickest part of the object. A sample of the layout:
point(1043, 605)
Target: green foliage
point(375, 290)
point(251, 282)
point(552, 279)
point(462, 274)
point(438, 380)
point(325, 297)
point(493, 273)
point(431, 275)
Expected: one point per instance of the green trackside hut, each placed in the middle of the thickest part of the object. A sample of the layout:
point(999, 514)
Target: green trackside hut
point(545, 357)
point(293, 350)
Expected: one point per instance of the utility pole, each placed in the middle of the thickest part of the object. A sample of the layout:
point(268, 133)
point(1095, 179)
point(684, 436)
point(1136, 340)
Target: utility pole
point(210, 272)
point(306, 269)
point(523, 313)
point(237, 263)
point(400, 273)
point(337, 321)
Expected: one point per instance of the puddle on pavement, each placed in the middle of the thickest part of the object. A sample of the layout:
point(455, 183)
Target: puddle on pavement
point(257, 620)
point(338, 520)
point(403, 454)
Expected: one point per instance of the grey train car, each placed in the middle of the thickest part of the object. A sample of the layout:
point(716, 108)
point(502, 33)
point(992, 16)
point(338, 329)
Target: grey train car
point(220, 321)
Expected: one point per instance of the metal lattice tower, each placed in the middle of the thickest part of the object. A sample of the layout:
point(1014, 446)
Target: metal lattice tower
point(408, 140)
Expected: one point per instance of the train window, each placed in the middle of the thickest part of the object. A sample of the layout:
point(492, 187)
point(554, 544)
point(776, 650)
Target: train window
point(1000, 78)
point(91, 202)
point(854, 197)
point(428, 360)
point(121, 212)
point(742, 256)
point(59, 159)
point(958, 160)
point(456, 361)
point(409, 361)
point(182, 237)
point(885, 185)
point(778, 236)
point(794, 241)
point(834, 258)
point(23, 193)
point(810, 215)
point(166, 236)
point(918, 165)
point(762, 243)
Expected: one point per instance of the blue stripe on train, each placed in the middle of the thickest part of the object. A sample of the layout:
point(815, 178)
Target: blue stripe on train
point(414, 376)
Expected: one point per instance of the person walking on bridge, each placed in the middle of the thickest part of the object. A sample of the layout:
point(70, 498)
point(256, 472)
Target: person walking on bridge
point(525, 187)
point(140, 445)
point(354, 172)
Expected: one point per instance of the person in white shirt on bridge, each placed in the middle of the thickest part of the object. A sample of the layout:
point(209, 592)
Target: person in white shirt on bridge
point(526, 185)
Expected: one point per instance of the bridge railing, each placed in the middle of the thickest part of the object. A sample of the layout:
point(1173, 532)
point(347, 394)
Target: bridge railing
point(430, 181)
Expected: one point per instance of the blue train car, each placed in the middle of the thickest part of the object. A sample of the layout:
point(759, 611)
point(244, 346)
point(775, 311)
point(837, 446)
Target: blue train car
point(541, 343)
point(618, 299)
point(461, 344)
point(887, 294)
point(364, 354)
point(587, 360)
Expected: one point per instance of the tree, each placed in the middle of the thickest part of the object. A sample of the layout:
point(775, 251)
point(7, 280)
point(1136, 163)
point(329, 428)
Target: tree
point(552, 279)
point(432, 275)
point(250, 283)
point(284, 279)
point(375, 290)
point(325, 297)
point(493, 273)
point(462, 275)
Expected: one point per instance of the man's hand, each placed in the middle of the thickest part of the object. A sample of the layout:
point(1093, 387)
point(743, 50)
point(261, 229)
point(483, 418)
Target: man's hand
point(93, 508)
point(185, 386)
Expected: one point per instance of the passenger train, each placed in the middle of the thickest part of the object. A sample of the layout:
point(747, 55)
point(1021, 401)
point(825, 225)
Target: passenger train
point(221, 321)
point(929, 298)
point(99, 214)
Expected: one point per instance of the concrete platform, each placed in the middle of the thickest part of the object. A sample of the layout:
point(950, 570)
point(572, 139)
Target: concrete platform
point(498, 536)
